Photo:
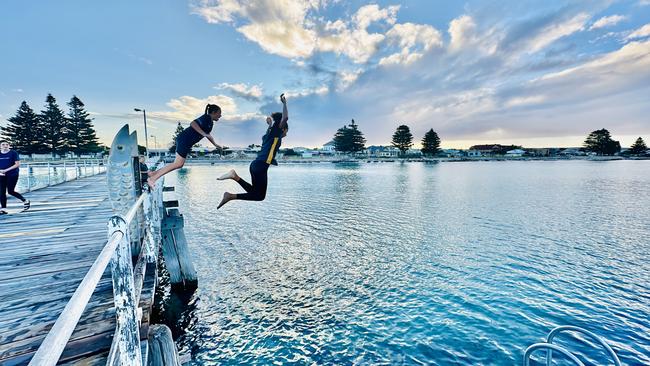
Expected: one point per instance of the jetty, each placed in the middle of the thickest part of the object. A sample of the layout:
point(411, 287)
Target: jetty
point(79, 270)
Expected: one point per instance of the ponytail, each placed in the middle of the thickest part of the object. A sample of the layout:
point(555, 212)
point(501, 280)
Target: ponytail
point(211, 108)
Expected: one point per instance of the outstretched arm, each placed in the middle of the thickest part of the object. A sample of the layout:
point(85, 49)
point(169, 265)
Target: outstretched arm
point(285, 112)
point(198, 129)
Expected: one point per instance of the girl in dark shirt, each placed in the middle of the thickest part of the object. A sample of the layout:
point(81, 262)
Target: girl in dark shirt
point(9, 163)
point(271, 142)
point(199, 128)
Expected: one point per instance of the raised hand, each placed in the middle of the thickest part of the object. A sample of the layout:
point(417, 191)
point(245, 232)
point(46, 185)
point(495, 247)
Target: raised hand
point(283, 99)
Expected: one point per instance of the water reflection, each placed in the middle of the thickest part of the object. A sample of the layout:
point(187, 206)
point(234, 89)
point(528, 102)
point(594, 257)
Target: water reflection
point(463, 263)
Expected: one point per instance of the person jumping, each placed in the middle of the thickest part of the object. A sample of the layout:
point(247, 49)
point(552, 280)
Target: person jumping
point(199, 128)
point(271, 142)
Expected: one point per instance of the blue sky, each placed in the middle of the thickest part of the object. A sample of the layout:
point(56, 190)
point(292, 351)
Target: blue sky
point(540, 73)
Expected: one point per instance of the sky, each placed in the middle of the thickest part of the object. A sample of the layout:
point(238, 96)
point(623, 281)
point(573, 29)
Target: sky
point(531, 73)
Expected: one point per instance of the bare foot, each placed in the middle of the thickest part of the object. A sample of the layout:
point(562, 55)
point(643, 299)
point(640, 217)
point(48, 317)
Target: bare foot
point(230, 175)
point(227, 197)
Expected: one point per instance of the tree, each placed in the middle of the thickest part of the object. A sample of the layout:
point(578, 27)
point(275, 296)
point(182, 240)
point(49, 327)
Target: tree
point(349, 139)
point(22, 130)
point(290, 152)
point(80, 136)
point(179, 129)
point(639, 147)
point(358, 141)
point(52, 126)
point(430, 143)
point(402, 138)
point(600, 142)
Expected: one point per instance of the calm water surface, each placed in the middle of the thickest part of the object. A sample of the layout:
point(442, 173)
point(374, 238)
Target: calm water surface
point(448, 264)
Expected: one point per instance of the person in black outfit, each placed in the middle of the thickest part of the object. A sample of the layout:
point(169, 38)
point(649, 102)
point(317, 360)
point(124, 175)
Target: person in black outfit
point(9, 163)
point(199, 128)
point(271, 141)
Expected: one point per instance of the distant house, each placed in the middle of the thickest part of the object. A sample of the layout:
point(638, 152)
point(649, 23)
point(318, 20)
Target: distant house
point(473, 153)
point(515, 152)
point(413, 152)
point(329, 147)
point(452, 153)
point(572, 151)
point(382, 151)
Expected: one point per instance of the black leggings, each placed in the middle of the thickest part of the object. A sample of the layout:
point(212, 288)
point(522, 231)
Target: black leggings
point(256, 191)
point(8, 184)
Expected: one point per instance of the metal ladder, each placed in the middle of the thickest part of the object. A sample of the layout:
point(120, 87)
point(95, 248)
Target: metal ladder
point(550, 347)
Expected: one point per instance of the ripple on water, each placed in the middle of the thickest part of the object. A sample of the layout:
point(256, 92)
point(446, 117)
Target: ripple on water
point(418, 264)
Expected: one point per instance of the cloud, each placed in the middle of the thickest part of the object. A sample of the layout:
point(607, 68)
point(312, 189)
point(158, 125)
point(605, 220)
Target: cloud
point(607, 21)
point(413, 40)
point(292, 29)
point(242, 90)
point(640, 33)
point(188, 108)
point(556, 31)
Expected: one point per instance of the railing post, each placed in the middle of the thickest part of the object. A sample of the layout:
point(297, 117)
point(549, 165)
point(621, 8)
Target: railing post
point(128, 329)
point(76, 170)
point(65, 172)
point(48, 173)
point(29, 178)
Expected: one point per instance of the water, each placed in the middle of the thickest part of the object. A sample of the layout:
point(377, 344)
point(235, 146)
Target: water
point(448, 264)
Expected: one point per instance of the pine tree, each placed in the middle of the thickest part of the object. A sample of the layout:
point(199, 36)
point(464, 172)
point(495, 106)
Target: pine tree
point(178, 131)
point(639, 147)
point(356, 136)
point(349, 139)
point(81, 137)
point(52, 126)
point(430, 143)
point(342, 142)
point(600, 142)
point(402, 138)
point(22, 130)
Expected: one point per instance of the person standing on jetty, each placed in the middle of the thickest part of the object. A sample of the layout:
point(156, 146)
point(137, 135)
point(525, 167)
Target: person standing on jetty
point(271, 142)
point(199, 128)
point(9, 163)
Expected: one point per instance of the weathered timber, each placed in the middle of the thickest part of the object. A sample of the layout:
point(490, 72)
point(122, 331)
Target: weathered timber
point(162, 350)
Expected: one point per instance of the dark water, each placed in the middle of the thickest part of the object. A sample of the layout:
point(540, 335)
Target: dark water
point(454, 263)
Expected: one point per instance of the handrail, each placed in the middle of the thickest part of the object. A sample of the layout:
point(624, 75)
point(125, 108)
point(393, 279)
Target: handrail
point(556, 331)
point(54, 343)
point(550, 347)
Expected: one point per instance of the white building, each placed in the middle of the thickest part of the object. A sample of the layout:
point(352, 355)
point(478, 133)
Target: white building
point(473, 153)
point(515, 152)
point(329, 147)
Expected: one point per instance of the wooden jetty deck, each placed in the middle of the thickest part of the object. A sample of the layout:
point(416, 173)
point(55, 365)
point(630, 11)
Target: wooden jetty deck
point(44, 254)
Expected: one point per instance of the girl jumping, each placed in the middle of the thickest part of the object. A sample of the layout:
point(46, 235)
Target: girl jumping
point(199, 128)
point(271, 142)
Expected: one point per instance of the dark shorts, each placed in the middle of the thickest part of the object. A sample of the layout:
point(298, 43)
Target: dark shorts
point(184, 145)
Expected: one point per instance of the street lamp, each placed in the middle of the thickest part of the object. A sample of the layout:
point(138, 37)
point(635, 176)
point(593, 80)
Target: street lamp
point(155, 142)
point(146, 139)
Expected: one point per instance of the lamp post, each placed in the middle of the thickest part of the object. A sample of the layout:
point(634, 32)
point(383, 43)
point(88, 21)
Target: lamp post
point(155, 142)
point(146, 139)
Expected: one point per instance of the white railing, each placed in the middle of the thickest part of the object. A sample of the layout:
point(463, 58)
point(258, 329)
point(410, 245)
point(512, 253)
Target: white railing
point(550, 347)
point(36, 175)
point(127, 285)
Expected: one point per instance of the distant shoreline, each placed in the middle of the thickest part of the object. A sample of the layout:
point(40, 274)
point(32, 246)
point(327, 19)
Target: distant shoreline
point(199, 161)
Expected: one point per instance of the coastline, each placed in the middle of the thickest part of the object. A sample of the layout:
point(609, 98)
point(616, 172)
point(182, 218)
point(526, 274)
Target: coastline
point(209, 161)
